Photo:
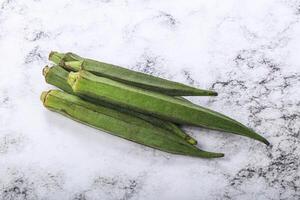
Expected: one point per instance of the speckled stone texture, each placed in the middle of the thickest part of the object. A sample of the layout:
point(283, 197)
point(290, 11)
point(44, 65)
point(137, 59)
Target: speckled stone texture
point(248, 51)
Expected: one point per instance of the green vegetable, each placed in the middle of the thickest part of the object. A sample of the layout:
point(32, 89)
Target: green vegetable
point(119, 124)
point(74, 62)
point(58, 76)
point(56, 57)
point(162, 124)
point(156, 104)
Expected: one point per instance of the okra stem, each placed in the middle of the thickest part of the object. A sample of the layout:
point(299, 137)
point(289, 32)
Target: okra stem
point(56, 57)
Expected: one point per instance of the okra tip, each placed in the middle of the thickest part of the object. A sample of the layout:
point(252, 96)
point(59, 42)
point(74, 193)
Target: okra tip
point(219, 155)
point(252, 134)
point(206, 93)
point(206, 154)
point(264, 140)
point(212, 93)
point(199, 92)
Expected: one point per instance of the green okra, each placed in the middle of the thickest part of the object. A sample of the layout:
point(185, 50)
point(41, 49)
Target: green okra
point(58, 76)
point(56, 57)
point(155, 104)
point(162, 124)
point(119, 124)
point(74, 62)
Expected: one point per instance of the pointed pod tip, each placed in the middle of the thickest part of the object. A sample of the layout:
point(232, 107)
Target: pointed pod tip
point(266, 142)
point(258, 137)
point(221, 155)
point(200, 92)
point(212, 93)
point(216, 155)
point(206, 154)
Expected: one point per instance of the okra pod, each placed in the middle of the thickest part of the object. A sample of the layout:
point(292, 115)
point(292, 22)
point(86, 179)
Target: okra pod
point(119, 124)
point(74, 62)
point(58, 76)
point(155, 104)
point(162, 124)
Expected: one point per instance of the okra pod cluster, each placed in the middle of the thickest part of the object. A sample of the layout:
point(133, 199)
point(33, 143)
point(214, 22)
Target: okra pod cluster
point(58, 77)
point(135, 106)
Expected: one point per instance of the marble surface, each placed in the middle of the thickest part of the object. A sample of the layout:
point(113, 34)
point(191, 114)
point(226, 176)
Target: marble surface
point(248, 51)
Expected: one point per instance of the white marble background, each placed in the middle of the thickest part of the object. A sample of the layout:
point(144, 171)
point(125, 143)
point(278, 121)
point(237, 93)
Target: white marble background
point(247, 50)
